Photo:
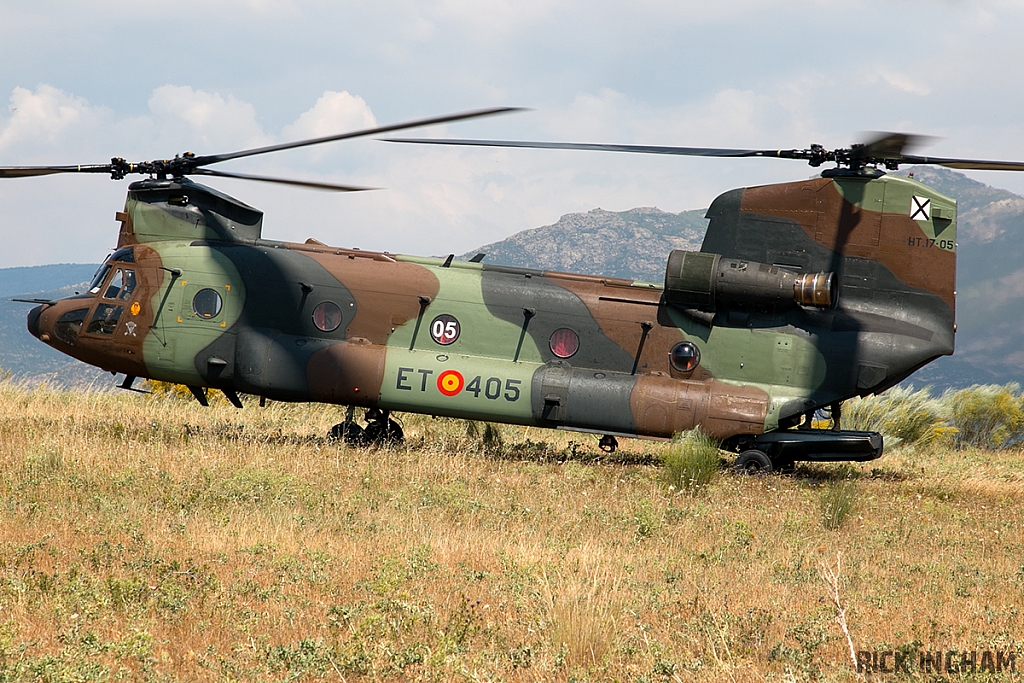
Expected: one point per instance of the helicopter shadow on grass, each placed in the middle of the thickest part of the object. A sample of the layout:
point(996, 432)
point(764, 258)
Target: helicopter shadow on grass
point(574, 451)
point(816, 474)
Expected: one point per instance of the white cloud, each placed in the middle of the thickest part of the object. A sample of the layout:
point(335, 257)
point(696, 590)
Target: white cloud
point(899, 80)
point(731, 114)
point(729, 117)
point(47, 116)
point(333, 113)
point(418, 29)
point(730, 73)
point(495, 19)
point(196, 116)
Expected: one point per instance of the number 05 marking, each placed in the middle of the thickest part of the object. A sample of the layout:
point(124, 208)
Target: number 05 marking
point(444, 329)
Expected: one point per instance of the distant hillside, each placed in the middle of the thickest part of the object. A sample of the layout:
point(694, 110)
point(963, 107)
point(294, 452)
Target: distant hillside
point(630, 244)
point(23, 355)
point(990, 284)
point(31, 280)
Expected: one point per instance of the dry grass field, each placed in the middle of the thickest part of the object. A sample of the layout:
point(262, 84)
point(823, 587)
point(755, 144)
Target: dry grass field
point(147, 538)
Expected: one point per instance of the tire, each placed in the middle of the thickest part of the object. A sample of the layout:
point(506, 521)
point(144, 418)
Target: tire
point(381, 434)
point(348, 433)
point(752, 462)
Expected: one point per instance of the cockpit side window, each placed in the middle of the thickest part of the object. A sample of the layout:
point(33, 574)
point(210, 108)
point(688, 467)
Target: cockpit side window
point(69, 324)
point(97, 279)
point(129, 284)
point(115, 285)
point(104, 320)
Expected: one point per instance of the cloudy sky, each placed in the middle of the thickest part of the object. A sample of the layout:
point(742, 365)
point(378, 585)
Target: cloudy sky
point(85, 81)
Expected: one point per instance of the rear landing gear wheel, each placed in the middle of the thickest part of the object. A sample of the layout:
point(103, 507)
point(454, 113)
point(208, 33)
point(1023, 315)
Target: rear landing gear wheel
point(381, 430)
point(752, 462)
point(384, 434)
point(348, 433)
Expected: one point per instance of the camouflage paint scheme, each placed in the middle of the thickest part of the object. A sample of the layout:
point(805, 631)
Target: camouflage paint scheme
point(761, 367)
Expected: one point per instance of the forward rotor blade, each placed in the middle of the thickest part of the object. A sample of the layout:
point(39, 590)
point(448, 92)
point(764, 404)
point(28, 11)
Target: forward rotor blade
point(965, 164)
point(216, 158)
point(29, 171)
point(50, 302)
point(602, 147)
point(283, 181)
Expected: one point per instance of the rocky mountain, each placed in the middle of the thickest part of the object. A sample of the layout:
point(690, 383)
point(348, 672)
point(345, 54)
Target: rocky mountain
point(634, 244)
point(630, 244)
point(990, 284)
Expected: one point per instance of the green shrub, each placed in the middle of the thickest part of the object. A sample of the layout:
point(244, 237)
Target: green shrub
point(902, 415)
point(170, 390)
point(691, 462)
point(837, 502)
point(986, 416)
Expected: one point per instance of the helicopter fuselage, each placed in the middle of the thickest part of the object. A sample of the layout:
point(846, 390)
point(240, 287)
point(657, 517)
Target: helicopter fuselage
point(195, 296)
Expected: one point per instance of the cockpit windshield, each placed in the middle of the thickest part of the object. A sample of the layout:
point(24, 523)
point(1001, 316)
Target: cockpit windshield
point(124, 255)
point(122, 284)
point(97, 279)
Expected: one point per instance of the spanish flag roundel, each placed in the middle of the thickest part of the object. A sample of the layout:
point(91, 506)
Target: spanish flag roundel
point(450, 382)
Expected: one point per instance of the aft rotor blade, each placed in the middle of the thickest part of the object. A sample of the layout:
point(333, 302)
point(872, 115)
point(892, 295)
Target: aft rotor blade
point(29, 171)
point(891, 145)
point(603, 147)
point(283, 181)
point(965, 164)
point(216, 158)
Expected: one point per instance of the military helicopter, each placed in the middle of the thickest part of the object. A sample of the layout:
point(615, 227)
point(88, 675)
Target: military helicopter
point(803, 295)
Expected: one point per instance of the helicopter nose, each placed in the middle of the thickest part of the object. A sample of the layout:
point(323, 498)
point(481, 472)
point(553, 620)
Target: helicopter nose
point(33, 320)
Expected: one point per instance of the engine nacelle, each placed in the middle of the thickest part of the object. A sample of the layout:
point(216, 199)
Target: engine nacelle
point(695, 279)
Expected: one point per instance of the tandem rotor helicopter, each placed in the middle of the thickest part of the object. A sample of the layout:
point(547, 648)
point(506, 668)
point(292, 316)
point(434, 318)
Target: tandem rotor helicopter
point(803, 295)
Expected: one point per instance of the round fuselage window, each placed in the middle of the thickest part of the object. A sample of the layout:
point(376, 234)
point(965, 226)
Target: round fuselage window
point(684, 356)
point(327, 316)
point(564, 342)
point(206, 303)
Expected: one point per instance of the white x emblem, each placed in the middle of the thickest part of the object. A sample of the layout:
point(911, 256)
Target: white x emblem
point(920, 208)
point(129, 328)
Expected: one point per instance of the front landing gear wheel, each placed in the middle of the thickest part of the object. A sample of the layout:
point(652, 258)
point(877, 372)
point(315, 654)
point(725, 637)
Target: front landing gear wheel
point(608, 443)
point(752, 462)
